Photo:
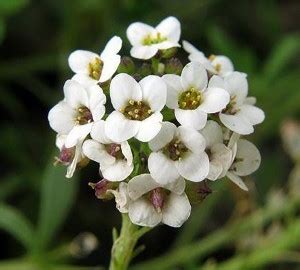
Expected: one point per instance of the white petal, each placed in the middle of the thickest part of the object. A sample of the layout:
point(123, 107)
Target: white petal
point(247, 158)
point(193, 167)
point(224, 63)
point(236, 123)
point(161, 168)
point(194, 75)
point(170, 28)
point(237, 180)
point(165, 135)
point(189, 48)
point(142, 212)
point(212, 133)
point(126, 151)
point(166, 45)
point(75, 94)
point(118, 171)
point(136, 32)
point(140, 185)
point(215, 170)
point(77, 157)
point(119, 129)
point(121, 197)
point(176, 210)
point(149, 127)
point(96, 151)
point(61, 118)
point(250, 100)
point(191, 118)
point(237, 85)
point(60, 141)
point(98, 132)
point(84, 79)
point(77, 134)
point(110, 66)
point(254, 114)
point(96, 96)
point(112, 47)
point(174, 88)
point(154, 92)
point(123, 88)
point(216, 81)
point(176, 186)
point(223, 154)
point(143, 52)
point(214, 100)
point(79, 60)
point(192, 139)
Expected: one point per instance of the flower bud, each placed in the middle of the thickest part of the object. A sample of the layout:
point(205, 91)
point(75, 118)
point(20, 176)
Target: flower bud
point(66, 156)
point(145, 69)
point(101, 188)
point(173, 66)
point(197, 192)
point(127, 65)
point(168, 53)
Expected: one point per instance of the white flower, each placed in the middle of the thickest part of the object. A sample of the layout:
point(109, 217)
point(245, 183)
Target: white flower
point(191, 97)
point(115, 159)
point(137, 108)
point(246, 160)
point(70, 157)
point(121, 197)
point(146, 40)
point(74, 116)
point(240, 114)
point(220, 156)
point(91, 68)
point(152, 203)
point(178, 152)
point(217, 64)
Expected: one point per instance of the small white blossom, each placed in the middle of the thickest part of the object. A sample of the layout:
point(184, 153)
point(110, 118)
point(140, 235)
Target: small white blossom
point(74, 116)
point(192, 97)
point(70, 157)
point(115, 159)
point(245, 160)
point(216, 64)
point(137, 108)
point(91, 68)
point(240, 114)
point(146, 40)
point(178, 152)
point(220, 156)
point(152, 203)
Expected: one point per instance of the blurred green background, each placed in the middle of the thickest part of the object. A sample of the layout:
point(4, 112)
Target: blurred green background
point(42, 213)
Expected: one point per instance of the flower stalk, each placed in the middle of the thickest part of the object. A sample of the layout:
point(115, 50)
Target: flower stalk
point(123, 247)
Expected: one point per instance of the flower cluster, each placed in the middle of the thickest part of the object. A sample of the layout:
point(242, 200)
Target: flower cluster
point(155, 126)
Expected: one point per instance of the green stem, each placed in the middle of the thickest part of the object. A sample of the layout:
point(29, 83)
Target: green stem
point(123, 247)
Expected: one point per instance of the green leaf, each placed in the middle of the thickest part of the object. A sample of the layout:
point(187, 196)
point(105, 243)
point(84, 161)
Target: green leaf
point(10, 7)
point(57, 197)
point(12, 221)
point(287, 50)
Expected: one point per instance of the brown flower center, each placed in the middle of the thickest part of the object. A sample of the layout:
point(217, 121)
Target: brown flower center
point(84, 116)
point(175, 150)
point(114, 150)
point(137, 110)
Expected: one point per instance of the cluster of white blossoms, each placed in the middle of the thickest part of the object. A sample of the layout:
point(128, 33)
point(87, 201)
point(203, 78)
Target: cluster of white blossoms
point(156, 128)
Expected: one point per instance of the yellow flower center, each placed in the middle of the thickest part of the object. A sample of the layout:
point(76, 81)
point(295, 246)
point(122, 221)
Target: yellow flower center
point(150, 40)
point(137, 110)
point(231, 106)
point(95, 68)
point(190, 99)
